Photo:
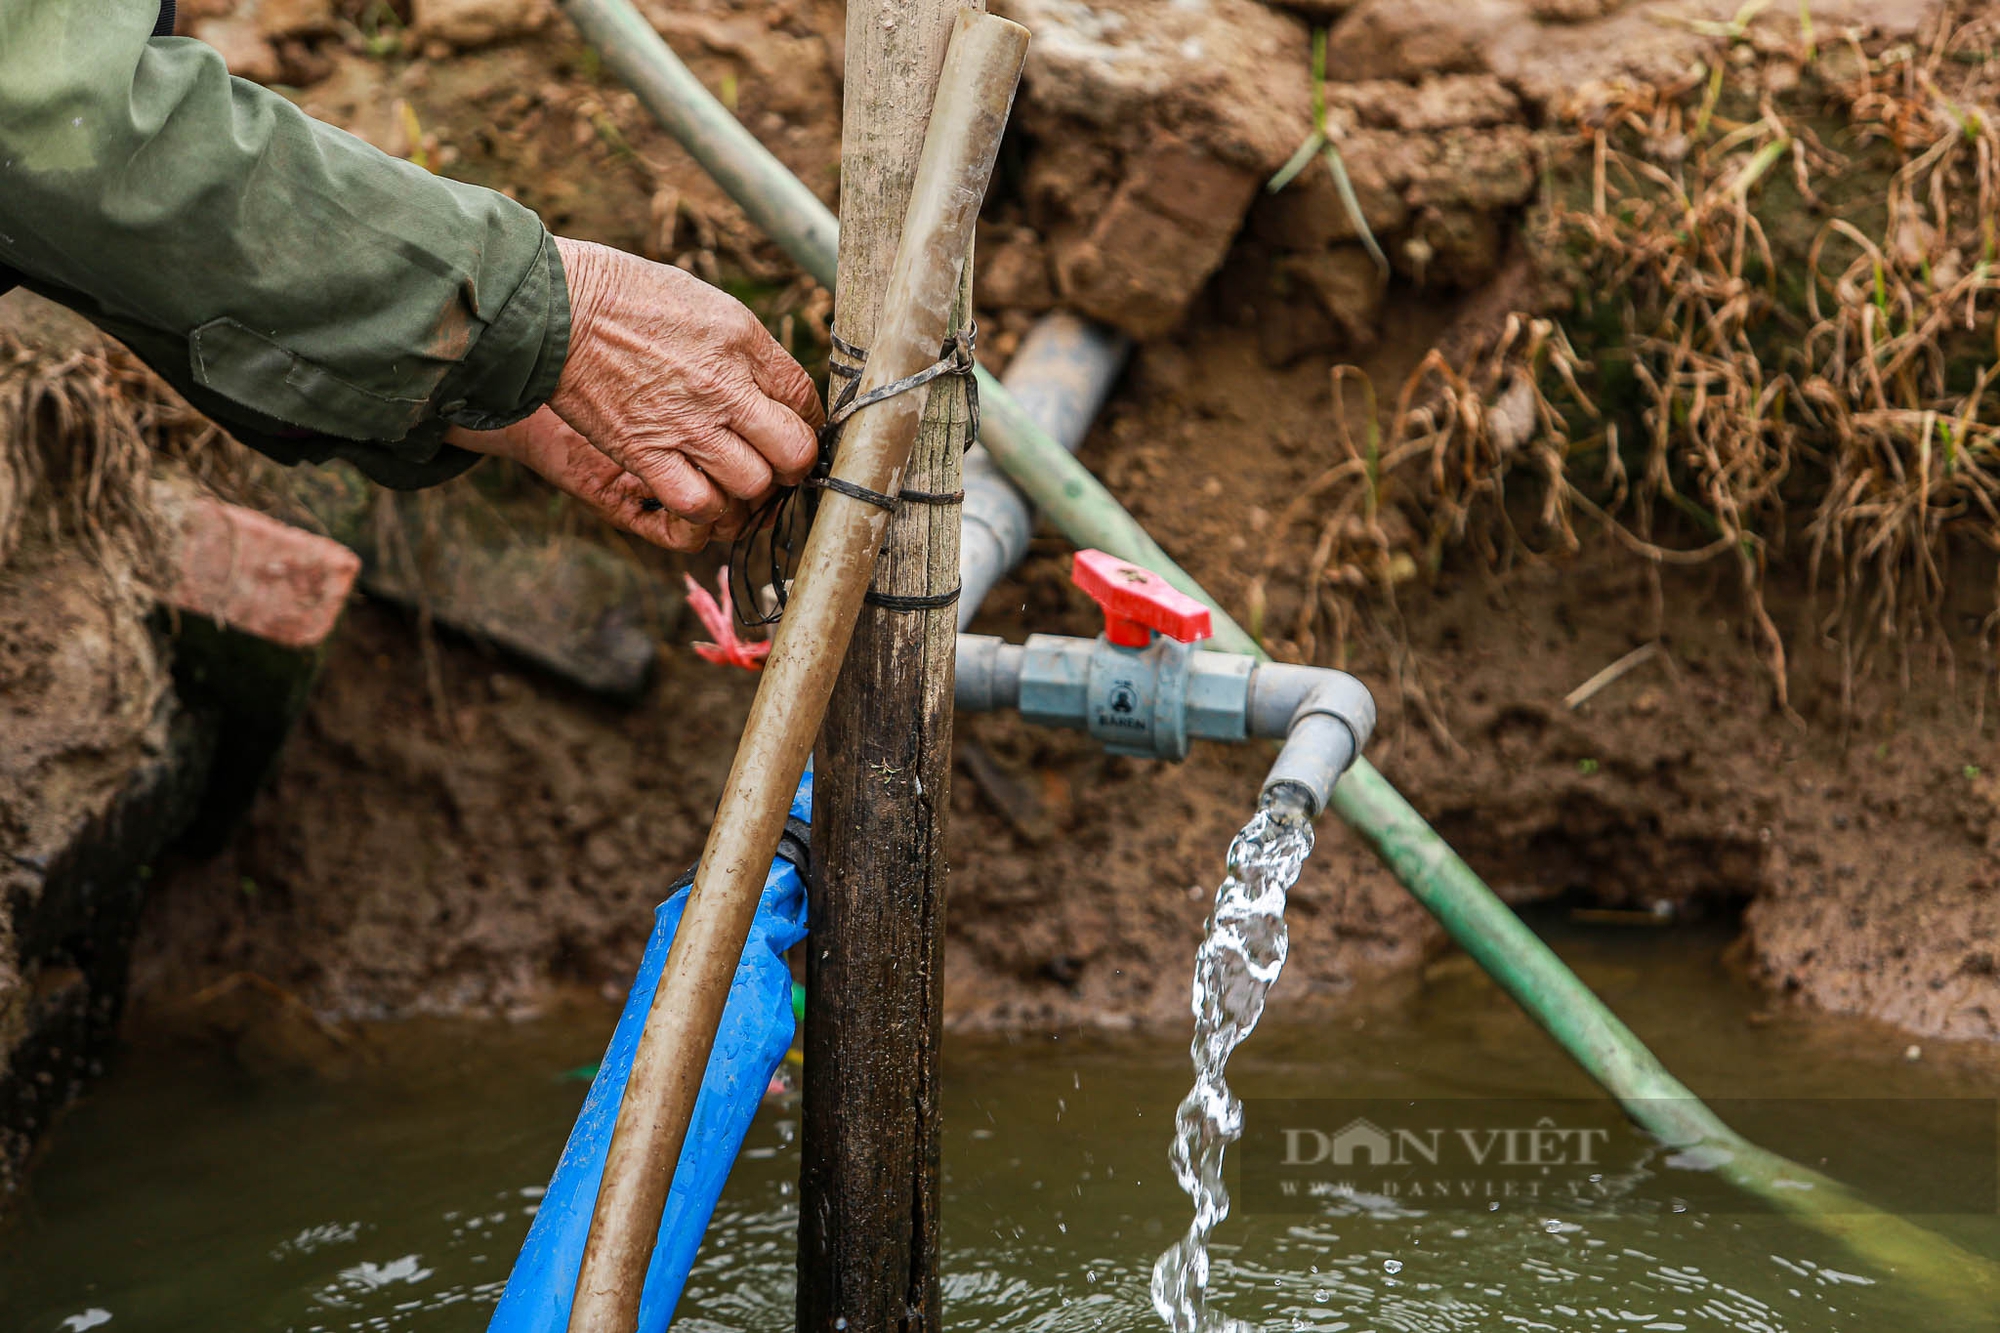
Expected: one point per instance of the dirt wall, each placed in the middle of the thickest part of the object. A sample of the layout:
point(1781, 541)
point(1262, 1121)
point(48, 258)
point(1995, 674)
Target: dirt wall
point(478, 837)
point(390, 869)
point(99, 770)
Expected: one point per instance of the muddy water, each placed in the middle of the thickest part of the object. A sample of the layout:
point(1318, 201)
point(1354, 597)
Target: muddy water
point(197, 1192)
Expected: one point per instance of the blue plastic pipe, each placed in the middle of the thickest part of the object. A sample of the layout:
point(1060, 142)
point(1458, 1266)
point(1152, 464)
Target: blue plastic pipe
point(756, 1029)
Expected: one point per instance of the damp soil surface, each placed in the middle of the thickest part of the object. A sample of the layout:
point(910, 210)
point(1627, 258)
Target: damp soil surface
point(473, 846)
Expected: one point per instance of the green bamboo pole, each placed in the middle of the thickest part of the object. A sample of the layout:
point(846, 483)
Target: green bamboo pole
point(1470, 912)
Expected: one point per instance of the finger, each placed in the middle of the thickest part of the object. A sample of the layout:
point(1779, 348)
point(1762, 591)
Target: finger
point(628, 489)
point(567, 461)
point(627, 503)
point(784, 379)
point(679, 485)
point(657, 526)
point(732, 524)
point(731, 462)
point(787, 444)
point(684, 536)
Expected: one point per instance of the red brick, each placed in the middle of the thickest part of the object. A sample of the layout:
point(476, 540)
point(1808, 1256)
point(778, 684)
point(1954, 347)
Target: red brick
point(247, 571)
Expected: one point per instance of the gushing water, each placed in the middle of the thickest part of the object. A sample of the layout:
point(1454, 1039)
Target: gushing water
point(1239, 959)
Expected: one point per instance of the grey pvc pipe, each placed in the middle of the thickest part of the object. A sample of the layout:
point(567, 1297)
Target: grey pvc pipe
point(776, 201)
point(1281, 693)
point(1060, 375)
point(1324, 717)
point(988, 675)
point(1317, 752)
point(1326, 729)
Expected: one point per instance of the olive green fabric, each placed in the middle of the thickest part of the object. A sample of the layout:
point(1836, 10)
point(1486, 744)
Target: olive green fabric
point(318, 297)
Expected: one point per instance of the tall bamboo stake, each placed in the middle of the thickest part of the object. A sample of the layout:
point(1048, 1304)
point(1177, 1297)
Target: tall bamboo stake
point(868, 1179)
point(983, 67)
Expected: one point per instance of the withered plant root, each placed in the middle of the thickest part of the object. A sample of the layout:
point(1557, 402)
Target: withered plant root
point(79, 431)
point(1836, 381)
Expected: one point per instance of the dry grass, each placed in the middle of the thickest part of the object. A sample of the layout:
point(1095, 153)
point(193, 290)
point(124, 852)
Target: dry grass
point(80, 428)
point(1808, 380)
point(1902, 348)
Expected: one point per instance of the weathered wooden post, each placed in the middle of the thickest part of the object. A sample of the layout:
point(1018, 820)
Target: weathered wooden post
point(868, 1197)
point(871, 467)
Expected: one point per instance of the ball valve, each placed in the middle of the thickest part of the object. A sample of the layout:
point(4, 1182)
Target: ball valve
point(1142, 688)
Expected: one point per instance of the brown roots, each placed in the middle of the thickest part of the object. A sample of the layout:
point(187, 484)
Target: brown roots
point(1788, 304)
point(80, 428)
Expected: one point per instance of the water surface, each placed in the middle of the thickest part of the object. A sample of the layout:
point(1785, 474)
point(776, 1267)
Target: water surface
point(194, 1190)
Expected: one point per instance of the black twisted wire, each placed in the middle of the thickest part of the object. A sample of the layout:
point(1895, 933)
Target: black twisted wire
point(782, 521)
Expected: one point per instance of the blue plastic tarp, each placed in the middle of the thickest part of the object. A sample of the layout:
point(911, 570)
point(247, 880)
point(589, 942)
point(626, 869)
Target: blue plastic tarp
point(756, 1030)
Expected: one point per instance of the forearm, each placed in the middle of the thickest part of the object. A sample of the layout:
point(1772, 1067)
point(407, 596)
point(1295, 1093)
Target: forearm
point(288, 268)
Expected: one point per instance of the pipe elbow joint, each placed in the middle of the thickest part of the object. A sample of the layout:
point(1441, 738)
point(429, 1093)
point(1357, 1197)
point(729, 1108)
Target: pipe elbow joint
point(1327, 732)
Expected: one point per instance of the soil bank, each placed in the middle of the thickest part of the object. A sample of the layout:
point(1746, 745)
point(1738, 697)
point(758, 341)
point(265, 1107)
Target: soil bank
point(488, 838)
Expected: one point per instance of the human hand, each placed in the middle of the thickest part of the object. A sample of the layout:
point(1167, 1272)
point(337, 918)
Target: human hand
point(545, 443)
point(676, 384)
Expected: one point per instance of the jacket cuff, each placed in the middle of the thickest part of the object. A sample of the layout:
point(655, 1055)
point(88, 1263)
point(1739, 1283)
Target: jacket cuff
point(394, 467)
point(516, 362)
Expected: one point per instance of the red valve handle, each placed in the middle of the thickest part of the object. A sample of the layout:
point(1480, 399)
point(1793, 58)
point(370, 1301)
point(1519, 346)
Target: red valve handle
point(1137, 601)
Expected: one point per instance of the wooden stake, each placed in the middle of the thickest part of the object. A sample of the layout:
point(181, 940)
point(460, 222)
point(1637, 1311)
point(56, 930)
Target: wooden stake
point(959, 149)
point(868, 1190)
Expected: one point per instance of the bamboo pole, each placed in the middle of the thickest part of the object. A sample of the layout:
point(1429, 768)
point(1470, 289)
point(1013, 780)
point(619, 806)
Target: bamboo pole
point(869, 1177)
point(982, 69)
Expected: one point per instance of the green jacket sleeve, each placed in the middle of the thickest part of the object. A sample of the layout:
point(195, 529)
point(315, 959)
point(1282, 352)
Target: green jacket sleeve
point(318, 297)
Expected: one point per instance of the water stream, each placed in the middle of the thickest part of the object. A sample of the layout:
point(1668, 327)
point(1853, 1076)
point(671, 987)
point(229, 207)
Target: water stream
point(1240, 958)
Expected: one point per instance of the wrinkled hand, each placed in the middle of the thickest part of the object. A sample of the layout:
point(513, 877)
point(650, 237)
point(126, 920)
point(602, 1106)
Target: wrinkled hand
point(672, 392)
point(679, 385)
point(567, 461)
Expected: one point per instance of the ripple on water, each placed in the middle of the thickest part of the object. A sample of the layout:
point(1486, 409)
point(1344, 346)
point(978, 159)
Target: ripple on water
point(186, 1195)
